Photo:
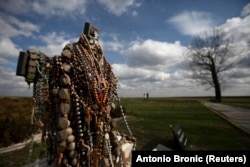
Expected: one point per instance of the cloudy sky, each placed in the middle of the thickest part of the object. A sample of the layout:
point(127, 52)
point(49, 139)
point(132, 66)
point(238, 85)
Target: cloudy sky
point(145, 41)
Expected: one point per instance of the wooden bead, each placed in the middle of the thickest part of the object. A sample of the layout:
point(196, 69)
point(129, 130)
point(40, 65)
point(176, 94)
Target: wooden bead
point(64, 80)
point(66, 53)
point(69, 47)
point(71, 146)
point(70, 138)
point(65, 161)
point(69, 131)
point(113, 105)
point(61, 135)
point(64, 94)
point(62, 123)
point(61, 146)
point(33, 54)
point(74, 162)
point(54, 92)
point(64, 108)
point(72, 154)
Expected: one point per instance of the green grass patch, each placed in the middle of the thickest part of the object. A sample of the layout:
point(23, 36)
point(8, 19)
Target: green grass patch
point(243, 102)
point(149, 121)
point(23, 156)
point(205, 130)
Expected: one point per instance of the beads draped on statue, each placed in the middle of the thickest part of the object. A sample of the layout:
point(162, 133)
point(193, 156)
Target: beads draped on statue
point(75, 93)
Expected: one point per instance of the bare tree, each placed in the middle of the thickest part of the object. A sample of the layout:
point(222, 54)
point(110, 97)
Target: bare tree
point(211, 55)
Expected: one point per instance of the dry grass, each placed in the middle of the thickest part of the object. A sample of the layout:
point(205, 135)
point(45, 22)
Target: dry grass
point(14, 120)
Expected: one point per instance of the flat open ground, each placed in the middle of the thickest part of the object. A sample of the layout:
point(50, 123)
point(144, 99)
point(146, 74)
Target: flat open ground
point(150, 122)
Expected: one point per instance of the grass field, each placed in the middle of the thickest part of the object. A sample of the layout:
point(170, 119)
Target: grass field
point(238, 102)
point(22, 157)
point(149, 121)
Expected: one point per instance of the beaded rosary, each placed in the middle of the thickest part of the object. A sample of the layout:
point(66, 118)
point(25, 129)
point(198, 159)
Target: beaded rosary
point(74, 94)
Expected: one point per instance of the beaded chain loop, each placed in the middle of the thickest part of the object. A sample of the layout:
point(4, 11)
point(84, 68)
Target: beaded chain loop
point(74, 94)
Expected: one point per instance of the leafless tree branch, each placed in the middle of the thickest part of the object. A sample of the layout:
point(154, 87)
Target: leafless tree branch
point(210, 56)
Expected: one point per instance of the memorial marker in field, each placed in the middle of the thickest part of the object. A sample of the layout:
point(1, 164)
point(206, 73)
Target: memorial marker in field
point(74, 94)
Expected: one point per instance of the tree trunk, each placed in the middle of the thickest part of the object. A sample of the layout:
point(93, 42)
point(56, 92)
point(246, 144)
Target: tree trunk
point(217, 92)
point(216, 83)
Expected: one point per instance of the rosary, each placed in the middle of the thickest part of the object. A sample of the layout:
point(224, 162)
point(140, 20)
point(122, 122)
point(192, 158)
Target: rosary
point(73, 95)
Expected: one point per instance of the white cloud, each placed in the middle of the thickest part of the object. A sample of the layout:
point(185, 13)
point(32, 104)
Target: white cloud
point(150, 66)
point(4, 61)
point(192, 22)
point(118, 7)
point(125, 72)
point(111, 42)
point(133, 81)
point(8, 48)
point(11, 26)
point(54, 43)
point(112, 45)
point(124, 86)
point(54, 37)
point(64, 8)
point(11, 85)
point(238, 29)
point(134, 13)
point(246, 10)
point(152, 54)
point(45, 7)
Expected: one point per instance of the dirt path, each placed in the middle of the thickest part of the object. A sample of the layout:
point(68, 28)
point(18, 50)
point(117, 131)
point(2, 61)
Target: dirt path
point(37, 138)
